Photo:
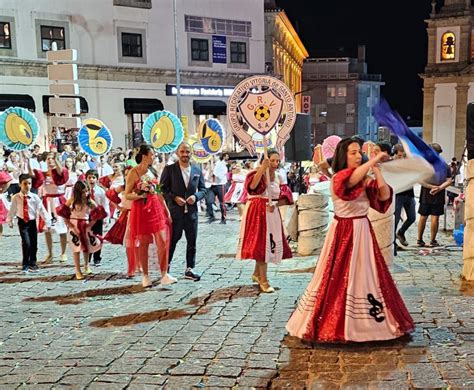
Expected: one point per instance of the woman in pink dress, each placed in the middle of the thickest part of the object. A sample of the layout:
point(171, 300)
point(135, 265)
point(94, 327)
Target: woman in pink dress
point(261, 232)
point(149, 220)
point(352, 296)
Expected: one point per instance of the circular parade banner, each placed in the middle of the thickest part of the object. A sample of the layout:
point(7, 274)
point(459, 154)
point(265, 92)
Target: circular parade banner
point(94, 137)
point(261, 103)
point(19, 129)
point(163, 130)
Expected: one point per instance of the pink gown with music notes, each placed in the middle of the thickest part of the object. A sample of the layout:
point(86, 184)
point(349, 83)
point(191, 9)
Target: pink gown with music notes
point(352, 296)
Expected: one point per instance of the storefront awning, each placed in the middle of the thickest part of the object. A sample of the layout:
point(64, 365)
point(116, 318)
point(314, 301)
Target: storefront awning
point(142, 106)
point(82, 102)
point(209, 107)
point(24, 101)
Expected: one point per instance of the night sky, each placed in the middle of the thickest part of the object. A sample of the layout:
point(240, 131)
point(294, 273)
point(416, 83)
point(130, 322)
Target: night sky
point(394, 33)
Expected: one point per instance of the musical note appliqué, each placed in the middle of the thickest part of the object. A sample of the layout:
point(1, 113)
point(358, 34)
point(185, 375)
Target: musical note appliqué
point(376, 308)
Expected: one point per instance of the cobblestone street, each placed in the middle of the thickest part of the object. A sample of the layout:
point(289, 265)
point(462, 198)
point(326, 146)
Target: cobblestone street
point(108, 332)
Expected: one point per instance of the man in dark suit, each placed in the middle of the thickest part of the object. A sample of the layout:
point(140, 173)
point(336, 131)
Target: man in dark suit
point(183, 186)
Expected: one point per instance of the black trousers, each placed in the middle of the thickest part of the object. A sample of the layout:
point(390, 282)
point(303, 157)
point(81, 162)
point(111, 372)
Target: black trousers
point(97, 228)
point(29, 242)
point(210, 197)
point(190, 227)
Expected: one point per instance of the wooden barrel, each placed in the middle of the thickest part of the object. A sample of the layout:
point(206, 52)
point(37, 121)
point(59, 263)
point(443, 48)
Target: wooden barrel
point(314, 216)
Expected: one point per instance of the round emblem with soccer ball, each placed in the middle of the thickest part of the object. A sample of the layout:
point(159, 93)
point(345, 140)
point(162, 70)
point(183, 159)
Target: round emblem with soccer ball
point(262, 113)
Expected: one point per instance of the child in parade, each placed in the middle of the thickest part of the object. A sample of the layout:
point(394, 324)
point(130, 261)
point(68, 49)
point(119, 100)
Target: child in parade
point(25, 206)
point(97, 194)
point(352, 296)
point(81, 213)
point(53, 191)
point(261, 231)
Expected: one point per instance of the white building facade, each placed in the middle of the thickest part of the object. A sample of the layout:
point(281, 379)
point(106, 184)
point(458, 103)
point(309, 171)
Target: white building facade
point(126, 57)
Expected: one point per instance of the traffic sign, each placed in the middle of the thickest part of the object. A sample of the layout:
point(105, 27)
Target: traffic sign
point(306, 104)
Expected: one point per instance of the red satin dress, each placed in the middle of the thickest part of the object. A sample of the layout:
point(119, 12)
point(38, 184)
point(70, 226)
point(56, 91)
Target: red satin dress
point(352, 296)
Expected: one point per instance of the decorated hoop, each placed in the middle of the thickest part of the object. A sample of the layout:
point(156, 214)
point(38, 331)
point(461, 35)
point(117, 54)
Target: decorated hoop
point(261, 103)
point(212, 135)
point(163, 130)
point(94, 137)
point(257, 139)
point(19, 129)
point(329, 146)
point(199, 154)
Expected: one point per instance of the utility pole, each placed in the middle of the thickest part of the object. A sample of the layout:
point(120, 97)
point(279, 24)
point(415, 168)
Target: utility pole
point(176, 54)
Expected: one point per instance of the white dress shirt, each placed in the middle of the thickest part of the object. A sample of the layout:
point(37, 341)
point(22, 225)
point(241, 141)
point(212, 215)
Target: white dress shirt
point(100, 199)
point(35, 207)
point(186, 172)
point(220, 173)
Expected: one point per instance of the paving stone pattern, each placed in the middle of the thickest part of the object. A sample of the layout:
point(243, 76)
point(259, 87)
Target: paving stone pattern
point(109, 333)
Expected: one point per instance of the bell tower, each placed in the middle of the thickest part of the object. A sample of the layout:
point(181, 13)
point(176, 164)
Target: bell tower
point(448, 75)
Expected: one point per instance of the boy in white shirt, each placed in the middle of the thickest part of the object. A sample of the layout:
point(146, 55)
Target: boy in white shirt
point(25, 206)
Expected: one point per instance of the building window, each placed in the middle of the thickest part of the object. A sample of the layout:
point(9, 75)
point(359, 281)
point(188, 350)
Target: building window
point(50, 34)
point(341, 91)
point(137, 125)
point(331, 91)
point(238, 52)
point(199, 49)
point(132, 45)
point(448, 46)
point(5, 36)
point(199, 24)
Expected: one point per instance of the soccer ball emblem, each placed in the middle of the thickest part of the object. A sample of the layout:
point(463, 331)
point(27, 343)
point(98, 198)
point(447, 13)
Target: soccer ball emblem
point(262, 113)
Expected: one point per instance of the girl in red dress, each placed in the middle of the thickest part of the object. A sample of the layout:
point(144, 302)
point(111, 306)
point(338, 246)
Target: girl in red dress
point(80, 213)
point(352, 296)
point(261, 231)
point(149, 219)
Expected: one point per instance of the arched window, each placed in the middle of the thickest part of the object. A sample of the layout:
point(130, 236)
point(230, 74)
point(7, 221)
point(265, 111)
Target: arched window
point(448, 46)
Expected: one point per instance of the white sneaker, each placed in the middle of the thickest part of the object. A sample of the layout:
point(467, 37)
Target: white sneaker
point(63, 258)
point(168, 279)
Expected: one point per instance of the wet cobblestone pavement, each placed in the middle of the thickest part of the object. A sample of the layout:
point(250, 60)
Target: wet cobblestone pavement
point(109, 333)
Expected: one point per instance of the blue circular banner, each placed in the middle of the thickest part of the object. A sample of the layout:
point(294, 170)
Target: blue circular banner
point(163, 130)
point(19, 129)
